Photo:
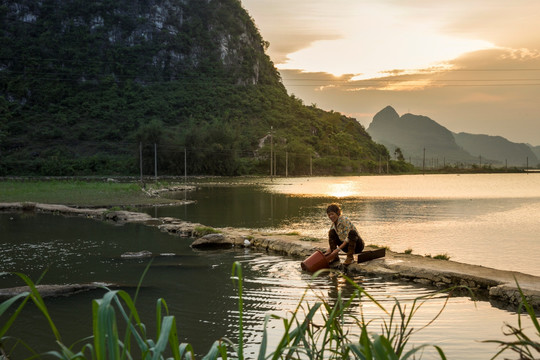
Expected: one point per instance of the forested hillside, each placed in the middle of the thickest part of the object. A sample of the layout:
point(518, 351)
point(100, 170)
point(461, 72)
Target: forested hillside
point(84, 82)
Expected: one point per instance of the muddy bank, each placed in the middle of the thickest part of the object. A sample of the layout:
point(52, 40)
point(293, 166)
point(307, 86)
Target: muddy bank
point(497, 285)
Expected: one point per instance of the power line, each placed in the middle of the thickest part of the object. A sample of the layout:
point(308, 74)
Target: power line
point(409, 85)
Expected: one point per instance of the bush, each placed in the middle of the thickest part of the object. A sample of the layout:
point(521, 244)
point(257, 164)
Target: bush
point(205, 230)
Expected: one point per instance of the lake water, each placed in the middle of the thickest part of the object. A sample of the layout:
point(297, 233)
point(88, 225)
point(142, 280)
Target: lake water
point(489, 220)
point(197, 284)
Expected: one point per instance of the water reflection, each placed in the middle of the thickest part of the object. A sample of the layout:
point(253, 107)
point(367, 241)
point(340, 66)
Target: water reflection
point(198, 288)
point(238, 206)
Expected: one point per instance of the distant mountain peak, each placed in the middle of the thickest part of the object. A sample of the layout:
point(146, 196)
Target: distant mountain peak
point(388, 114)
point(416, 134)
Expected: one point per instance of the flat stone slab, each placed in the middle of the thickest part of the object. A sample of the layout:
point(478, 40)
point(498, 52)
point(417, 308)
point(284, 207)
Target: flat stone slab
point(136, 254)
point(123, 216)
point(119, 216)
point(52, 290)
point(367, 255)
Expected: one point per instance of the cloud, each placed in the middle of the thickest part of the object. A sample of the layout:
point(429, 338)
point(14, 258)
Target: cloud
point(380, 40)
point(290, 26)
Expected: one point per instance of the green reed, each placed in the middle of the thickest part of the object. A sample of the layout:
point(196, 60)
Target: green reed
point(314, 331)
point(526, 347)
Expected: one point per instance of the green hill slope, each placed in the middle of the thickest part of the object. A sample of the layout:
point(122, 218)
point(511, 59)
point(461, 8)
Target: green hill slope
point(84, 83)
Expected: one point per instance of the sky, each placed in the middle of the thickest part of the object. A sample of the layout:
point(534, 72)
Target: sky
point(471, 65)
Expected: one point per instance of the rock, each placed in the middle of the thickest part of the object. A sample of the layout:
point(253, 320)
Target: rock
point(510, 294)
point(127, 216)
point(212, 241)
point(180, 228)
point(67, 210)
point(136, 255)
point(9, 207)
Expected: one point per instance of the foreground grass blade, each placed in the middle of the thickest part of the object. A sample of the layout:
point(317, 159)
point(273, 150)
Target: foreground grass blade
point(105, 332)
point(237, 269)
point(38, 301)
point(185, 351)
point(6, 304)
point(163, 339)
point(127, 337)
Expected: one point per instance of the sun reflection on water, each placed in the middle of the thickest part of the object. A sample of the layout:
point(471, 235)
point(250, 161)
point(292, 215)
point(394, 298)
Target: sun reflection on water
point(440, 186)
point(341, 190)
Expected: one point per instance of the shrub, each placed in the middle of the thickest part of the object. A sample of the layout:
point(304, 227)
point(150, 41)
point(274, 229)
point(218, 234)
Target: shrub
point(308, 238)
point(205, 230)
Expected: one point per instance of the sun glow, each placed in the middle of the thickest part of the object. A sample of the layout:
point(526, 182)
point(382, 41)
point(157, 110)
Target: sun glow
point(375, 42)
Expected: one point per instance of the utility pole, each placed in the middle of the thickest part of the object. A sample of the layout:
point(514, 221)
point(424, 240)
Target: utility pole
point(271, 154)
point(275, 164)
point(185, 173)
point(140, 160)
point(286, 164)
point(424, 162)
point(155, 161)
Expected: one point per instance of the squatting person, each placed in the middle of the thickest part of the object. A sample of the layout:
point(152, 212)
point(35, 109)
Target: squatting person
point(342, 235)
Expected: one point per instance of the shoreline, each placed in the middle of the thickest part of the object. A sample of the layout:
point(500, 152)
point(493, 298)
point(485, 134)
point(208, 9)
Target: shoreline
point(498, 286)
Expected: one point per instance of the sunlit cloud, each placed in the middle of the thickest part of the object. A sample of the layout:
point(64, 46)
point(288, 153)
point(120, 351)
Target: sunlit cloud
point(345, 56)
point(379, 41)
point(325, 87)
point(521, 54)
point(407, 85)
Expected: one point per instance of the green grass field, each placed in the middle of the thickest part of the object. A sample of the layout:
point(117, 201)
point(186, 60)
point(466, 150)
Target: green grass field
point(77, 193)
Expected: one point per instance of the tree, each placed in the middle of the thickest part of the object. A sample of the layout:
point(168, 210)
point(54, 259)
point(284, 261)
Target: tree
point(398, 154)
